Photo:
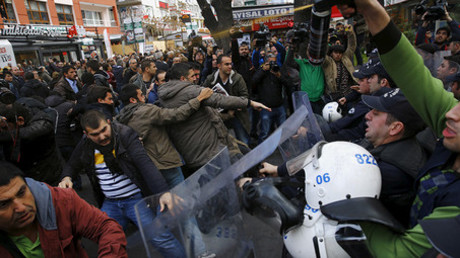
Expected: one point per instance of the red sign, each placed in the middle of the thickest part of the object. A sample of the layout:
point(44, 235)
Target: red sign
point(164, 5)
point(273, 23)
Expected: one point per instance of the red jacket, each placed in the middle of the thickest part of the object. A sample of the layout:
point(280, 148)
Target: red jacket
point(63, 219)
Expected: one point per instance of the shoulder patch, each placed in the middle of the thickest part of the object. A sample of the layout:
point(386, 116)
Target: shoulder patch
point(351, 111)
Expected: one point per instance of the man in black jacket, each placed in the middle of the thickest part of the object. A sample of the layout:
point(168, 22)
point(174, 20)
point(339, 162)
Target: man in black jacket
point(33, 87)
point(269, 84)
point(121, 174)
point(28, 141)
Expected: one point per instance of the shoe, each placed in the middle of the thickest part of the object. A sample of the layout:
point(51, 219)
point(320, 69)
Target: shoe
point(207, 254)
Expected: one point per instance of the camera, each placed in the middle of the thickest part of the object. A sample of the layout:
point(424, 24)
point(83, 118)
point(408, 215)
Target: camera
point(274, 67)
point(299, 33)
point(262, 36)
point(434, 8)
point(237, 32)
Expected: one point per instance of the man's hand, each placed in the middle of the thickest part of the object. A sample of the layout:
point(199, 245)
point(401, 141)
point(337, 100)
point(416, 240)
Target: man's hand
point(231, 113)
point(259, 106)
point(301, 132)
point(66, 182)
point(172, 202)
point(277, 74)
point(446, 15)
point(342, 101)
point(205, 94)
point(374, 14)
point(268, 170)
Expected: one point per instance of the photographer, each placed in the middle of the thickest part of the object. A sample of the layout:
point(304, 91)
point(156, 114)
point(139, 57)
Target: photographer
point(442, 34)
point(269, 84)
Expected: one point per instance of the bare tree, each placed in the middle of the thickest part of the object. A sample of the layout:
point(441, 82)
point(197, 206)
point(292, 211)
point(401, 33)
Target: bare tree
point(220, 24)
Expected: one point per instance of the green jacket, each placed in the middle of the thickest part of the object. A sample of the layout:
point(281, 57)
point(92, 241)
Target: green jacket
point(427, 95)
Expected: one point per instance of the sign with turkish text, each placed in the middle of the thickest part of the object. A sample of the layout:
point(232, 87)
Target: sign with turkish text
point(246, 14)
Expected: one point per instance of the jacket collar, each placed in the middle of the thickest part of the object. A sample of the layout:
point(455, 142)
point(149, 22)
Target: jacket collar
point(216, 76)
point(46, 214)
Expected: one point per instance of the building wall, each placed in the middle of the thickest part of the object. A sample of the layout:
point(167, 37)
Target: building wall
point(95, 5)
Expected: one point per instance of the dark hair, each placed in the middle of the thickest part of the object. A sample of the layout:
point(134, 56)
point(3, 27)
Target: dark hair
point(146, 64)
point(28, 76)
point(454, 61)
point(11, 112)
point(9, 171)
point(128, 91)
point(195, 66)
point(7, 72)
point(97, 92)
point(159, 72)
point(219, 58)
point(244, 44)
point(87, 78)
point(389, 80)
point(92, 119)
point(93, 64)
point(105, 66)
point(447, 29)
point(178, 70)
point(66, 68)
point(409, 130)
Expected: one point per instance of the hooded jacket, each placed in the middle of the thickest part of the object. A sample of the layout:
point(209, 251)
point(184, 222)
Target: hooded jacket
point(63, 218)
point(149, 122)
point(101, 78)
point(235, 87)
point(63, 134)
point(198, 138)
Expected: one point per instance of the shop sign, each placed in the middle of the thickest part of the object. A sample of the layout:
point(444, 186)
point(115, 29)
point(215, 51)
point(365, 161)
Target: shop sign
point(273, 23)
point(43, 31)
point(6, 54)
point(262, 12)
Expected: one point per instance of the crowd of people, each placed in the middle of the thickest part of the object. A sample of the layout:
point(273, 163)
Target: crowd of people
point(140, 124)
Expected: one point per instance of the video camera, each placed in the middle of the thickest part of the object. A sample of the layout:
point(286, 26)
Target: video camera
point(434, 8)
point(262, 36)
point(299, 33)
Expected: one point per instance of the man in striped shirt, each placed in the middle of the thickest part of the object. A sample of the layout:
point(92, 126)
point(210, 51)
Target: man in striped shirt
point(121, 174)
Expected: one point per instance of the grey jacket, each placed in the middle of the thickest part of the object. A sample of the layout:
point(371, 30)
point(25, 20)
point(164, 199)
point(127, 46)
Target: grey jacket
point(235, 87)
point(198, 138)
point(148, 121)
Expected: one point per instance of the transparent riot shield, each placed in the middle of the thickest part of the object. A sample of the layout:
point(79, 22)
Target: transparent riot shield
point(205, 216)
point(307, 135)
point(433, 60)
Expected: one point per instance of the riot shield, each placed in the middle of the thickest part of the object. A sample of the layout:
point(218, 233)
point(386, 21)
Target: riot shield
point(206, 214)
point(307, 135)
point(433, 60)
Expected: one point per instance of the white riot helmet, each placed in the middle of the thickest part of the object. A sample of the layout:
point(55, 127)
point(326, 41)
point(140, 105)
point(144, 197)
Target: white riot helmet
point(332, 112)
point(342, 183)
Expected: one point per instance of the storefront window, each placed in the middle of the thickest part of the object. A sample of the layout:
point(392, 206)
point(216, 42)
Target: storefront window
point(7, 11)
point(37, 12)
point(65, 15)
point(91, 18)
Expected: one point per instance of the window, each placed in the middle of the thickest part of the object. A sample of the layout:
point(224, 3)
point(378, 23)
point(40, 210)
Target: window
point(64, 13)
point(37, 12)
point(91, 18)
point(7, 11)
point(113, 23)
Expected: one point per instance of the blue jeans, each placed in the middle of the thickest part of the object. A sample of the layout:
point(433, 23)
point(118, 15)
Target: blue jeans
point(240, 132)
point(277, 117)
point(173, 176)
point(123, 212)
point(191, 234)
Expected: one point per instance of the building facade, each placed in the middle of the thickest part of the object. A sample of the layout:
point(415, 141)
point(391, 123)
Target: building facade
point(63, 29)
